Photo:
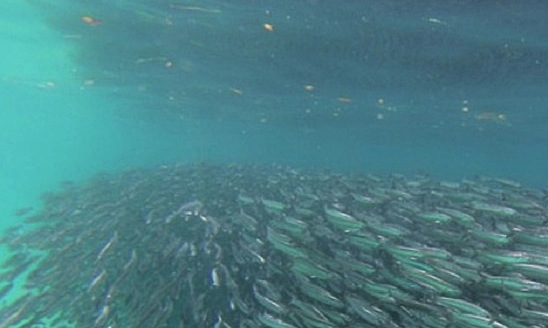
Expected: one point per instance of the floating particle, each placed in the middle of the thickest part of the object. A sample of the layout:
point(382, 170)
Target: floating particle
point(491, 116)
point(436, 21)
point(89, 82)
point(195, 8)
point(344, 99)
point(91, 20)
point(47, 85)
point(238, 92)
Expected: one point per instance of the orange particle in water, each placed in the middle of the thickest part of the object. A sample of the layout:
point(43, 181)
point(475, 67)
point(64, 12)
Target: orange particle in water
point(268, 27)
point(91, 20)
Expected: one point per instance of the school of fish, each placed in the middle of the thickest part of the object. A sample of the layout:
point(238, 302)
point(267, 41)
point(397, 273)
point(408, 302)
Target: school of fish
point(269, 246)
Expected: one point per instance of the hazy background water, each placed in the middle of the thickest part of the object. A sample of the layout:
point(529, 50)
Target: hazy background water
point(448, 88)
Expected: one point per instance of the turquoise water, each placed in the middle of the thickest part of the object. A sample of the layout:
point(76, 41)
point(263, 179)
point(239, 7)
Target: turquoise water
point(452, 89)
point(448, 89)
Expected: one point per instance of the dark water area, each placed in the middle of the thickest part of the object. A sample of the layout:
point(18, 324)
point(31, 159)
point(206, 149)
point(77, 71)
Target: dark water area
point(455, 87)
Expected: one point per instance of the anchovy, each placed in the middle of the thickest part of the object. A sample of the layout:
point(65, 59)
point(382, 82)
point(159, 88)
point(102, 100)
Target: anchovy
point(107, 246)
point(215, 278)
point(97, 280)
point(189, 208)
point(268, 303)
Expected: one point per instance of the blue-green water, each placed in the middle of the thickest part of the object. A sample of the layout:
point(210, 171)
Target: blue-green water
point(452, 89)
point(448, 88)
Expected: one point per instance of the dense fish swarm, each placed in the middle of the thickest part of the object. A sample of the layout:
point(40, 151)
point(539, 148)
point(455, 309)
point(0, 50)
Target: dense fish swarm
point(233, 246)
